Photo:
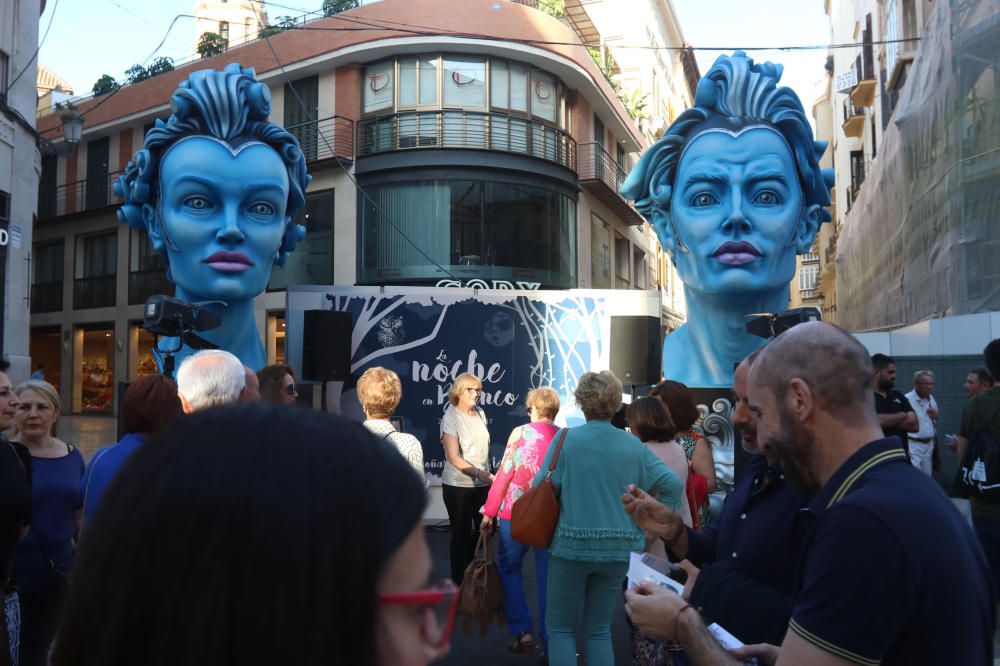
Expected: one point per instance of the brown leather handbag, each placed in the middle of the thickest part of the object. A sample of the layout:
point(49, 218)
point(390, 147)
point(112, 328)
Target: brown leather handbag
point(480, 597)
point(534, 516)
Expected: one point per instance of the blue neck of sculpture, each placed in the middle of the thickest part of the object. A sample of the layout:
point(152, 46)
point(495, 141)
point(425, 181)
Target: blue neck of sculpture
point(237, 334)
point(705, 351)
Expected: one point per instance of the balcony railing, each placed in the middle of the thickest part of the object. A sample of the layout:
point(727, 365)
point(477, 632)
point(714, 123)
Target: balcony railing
point(146, 283)
point(325, 138)
point(468, 130)
point(810, 257)
point(603, 176)
point(88, 194)
point(94, 292)
point(46, 297)
point(854, 119)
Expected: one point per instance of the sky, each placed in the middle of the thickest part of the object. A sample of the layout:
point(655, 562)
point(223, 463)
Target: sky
point(89, 38)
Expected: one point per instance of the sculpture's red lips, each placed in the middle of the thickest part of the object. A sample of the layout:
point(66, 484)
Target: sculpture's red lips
point(229, 261)
point(737, 247)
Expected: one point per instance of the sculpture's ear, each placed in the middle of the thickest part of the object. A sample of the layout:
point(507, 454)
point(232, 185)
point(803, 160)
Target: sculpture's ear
point(808, 227)
point(151, 218)
point(664, 231)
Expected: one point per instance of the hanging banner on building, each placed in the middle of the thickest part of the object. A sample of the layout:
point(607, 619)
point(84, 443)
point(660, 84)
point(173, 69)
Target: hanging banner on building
point(513, 340)
point(847, 81)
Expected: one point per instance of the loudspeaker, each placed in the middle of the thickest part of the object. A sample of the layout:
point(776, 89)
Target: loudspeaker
point(636, 349)
point(326, 345)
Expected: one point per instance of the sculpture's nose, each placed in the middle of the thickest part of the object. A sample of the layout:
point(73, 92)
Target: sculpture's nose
point(230, 231)
point(736, 223)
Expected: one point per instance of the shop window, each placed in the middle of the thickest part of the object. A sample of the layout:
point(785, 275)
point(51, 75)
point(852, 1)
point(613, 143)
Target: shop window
point(621, 262)
point(312, 260)
point(468, 228)
point(97, 371)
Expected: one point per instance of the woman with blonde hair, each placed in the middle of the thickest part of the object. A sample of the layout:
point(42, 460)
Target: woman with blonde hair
point(526, 447)
point(44, 557)
point(466, 477)
point(589, 553)
point(379, 392)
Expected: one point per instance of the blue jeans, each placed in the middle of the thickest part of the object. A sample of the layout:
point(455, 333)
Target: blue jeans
point(510, 558)
point(988, 531)
point(597, 588)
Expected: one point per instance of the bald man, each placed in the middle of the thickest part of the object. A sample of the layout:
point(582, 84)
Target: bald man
point(889, 573)
point(209, 378)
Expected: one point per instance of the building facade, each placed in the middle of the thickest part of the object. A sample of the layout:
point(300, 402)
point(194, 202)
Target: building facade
point(436, 161)
point(917, 156)
point(236, 22)
point(19, 169)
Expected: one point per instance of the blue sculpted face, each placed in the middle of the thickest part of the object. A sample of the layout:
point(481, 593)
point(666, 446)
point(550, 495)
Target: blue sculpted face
point(737, 209)
point(222, 217)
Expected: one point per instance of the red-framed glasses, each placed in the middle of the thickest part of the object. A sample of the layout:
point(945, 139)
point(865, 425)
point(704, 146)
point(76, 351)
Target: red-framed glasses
point(440, 603)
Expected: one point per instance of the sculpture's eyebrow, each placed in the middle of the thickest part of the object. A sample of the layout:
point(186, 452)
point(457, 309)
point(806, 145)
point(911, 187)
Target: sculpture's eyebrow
point(706, 177)
point(247, 187)
point(758, 176)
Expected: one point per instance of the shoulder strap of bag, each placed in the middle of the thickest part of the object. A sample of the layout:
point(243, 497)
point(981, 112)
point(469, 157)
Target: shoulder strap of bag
point(555, 456)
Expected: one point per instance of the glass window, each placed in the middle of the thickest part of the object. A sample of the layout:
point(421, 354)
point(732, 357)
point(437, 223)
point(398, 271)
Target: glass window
point(464, 81)
point(499, 84)
point(378, 87)
point(471, 230)
point(96, 371)
point(312, 260)
point(600, 254)
point(518, 88)
point(639, 269)
point(97, 255)
point(428, 80)
point(407, 82)
point(621, 261)
point(544, 96)
point(49, 262)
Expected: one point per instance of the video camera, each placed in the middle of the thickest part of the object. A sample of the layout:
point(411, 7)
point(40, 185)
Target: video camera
point(173, 318)
point(769, 325)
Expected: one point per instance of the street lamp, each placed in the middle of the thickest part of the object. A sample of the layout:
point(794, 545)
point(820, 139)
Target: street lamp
point(72, 126)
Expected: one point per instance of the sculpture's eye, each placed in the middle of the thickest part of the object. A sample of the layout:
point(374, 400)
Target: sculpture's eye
point(703, 199)
point(197, 202)
point(767, 198)
point(262, 208)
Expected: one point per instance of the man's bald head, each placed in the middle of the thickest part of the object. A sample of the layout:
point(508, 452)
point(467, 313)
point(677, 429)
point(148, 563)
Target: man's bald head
point(831, 362)
point(208, 378)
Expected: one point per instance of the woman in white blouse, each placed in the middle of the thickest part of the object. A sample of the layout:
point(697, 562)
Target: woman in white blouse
point(379, 391)
point(466, 478)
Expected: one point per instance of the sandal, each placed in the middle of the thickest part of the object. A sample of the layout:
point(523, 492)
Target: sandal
point(521, 646)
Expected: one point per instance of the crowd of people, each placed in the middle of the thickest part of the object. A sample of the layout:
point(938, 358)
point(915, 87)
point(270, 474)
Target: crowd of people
point(195, 538)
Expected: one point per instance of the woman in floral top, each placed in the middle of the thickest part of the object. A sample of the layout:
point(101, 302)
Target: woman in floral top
point(525, 451)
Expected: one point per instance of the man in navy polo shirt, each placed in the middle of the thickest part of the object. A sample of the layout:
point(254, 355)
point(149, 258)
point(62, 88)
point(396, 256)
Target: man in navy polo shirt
point(889, 572)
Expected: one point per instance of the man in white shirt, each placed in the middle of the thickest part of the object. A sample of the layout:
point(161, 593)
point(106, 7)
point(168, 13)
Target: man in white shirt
point(925, 406)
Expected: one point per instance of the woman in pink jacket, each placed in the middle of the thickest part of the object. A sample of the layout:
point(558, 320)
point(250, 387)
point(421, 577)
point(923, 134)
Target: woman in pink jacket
point(526, 448)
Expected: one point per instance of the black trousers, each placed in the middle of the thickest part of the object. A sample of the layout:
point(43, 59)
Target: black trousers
point(463, 513)
point(39, 620)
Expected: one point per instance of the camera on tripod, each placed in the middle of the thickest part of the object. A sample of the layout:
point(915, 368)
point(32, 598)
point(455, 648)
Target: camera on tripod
point(173, 318)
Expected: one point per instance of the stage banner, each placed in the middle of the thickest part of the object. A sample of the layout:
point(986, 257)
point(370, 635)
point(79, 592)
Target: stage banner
point(512, 340)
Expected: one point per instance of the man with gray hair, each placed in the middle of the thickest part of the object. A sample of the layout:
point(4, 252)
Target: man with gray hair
point(888, 573)
point(922, 441)
point(209, 378)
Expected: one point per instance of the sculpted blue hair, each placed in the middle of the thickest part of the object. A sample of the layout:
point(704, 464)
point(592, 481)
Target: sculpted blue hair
point(232, 106)
point(735, 92)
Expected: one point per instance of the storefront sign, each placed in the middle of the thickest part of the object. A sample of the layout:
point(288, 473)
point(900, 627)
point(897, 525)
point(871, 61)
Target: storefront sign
point(513, 341)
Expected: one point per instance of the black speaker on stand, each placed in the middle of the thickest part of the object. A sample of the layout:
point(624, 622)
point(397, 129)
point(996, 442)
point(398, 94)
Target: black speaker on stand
point(326, 345)
point(636, 349)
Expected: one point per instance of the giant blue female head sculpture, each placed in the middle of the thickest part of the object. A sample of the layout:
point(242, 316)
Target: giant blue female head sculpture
point(734, 191)
point(217, 188)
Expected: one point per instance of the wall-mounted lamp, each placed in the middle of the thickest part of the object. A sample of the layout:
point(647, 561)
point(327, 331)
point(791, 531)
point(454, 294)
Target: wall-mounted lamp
point(72, 128)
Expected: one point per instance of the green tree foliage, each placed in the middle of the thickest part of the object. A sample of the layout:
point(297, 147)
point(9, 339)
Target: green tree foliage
point(282, 24)
point(331, 7)
point(635, 104)
point(555, 8)
point(159, 66)
point(104, 85)
point(136, 74)
point(606, 63)
point(211, 44)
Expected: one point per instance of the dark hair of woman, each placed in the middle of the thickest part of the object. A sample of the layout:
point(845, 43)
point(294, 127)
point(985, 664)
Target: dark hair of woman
point(150, 403)
point(679, 402)
point(241, 536)
point(649, 420)
point(271, 378)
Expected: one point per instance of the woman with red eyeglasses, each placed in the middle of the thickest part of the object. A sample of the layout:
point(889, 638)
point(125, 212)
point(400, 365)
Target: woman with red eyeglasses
point(254, 535)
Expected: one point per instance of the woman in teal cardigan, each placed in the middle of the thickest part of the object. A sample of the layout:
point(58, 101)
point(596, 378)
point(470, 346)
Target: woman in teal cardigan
point(589, 554)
